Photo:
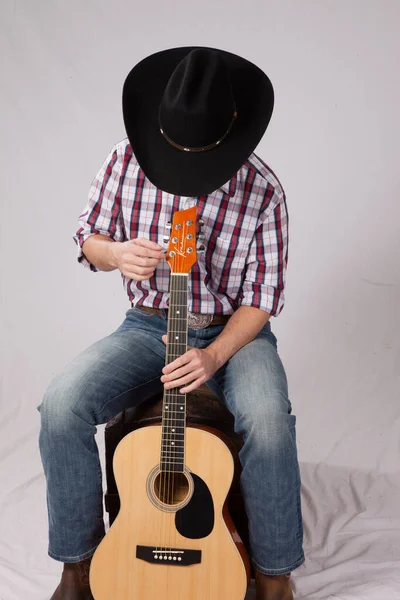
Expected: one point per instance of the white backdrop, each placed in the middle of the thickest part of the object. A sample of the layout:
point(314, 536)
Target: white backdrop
point(334, 143)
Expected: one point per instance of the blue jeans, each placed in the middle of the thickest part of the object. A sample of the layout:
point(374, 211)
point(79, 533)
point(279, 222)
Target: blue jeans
point(94, 387)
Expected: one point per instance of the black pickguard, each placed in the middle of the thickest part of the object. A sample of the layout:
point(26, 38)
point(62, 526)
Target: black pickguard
point(196, 519)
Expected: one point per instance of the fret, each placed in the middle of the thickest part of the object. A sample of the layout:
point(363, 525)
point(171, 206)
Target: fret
point(172, 446)
point(169, 433)
point(166, 455)
point(172, 462)
point(175, 399)
point(167, 444)
point(176, 306)
point(180, 318)
point(173, 455)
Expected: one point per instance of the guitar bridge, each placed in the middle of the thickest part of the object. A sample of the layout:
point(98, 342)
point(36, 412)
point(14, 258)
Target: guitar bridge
point(171, 556)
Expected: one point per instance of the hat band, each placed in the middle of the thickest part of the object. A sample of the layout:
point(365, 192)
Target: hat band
point(201, 148)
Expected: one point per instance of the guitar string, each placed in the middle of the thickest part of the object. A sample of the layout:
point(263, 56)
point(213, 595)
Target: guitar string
point(179, 281)
point(168, 399)
point(171, 404)
point(184, 301)
point(164, 437)
point(180, 299)
point(171, 400)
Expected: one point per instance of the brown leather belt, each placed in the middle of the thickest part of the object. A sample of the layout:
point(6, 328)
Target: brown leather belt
point(195, 320)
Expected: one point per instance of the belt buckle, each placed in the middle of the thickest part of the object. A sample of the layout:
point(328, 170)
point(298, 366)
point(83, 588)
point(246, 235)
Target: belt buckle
point(199, 321)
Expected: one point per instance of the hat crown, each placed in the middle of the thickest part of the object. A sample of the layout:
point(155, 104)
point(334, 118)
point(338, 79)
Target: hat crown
point(198, 104)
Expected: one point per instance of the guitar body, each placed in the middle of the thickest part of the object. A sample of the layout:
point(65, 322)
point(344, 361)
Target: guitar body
point(173, 538)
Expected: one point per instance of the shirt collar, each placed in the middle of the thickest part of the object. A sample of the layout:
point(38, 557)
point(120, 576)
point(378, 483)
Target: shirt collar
point(230, 186)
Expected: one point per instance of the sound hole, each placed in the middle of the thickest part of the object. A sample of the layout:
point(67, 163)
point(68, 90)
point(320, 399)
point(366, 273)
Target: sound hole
point(171, 488)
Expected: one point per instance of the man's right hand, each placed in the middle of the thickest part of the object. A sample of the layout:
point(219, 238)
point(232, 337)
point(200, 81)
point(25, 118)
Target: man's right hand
point(138, 258)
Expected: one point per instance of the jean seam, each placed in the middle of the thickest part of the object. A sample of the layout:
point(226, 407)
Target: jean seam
point(114, 398)
point(130, 390)
point(75, 558)
point(297, 563)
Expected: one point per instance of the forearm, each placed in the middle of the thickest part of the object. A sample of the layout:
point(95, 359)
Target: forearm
point(243, 326)
point(99, 249)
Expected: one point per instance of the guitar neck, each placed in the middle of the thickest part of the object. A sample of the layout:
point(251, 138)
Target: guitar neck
point(174, 404)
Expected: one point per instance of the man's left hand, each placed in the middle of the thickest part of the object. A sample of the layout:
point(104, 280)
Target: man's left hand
point(194, 367)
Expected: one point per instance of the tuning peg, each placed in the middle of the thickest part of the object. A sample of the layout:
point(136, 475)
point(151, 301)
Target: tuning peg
point(201, 249)
point(201, 222)
point(165, 239)
point(168, 225)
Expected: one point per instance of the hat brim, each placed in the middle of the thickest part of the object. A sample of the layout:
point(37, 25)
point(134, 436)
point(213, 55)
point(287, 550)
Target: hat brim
point(193, 173)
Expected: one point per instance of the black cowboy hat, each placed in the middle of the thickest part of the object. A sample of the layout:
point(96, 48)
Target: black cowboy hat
point(193, 115)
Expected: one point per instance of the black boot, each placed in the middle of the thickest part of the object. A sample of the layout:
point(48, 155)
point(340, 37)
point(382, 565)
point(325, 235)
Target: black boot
point(74, 584)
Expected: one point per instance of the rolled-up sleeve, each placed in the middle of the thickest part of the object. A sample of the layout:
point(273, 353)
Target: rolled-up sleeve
point(102, 214)
point(266, 264)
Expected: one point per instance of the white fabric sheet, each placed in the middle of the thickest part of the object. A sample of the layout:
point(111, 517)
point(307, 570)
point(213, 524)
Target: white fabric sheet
point(334, 143)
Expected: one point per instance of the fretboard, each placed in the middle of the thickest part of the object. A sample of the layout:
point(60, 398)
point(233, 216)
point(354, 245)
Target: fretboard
point(174, 403)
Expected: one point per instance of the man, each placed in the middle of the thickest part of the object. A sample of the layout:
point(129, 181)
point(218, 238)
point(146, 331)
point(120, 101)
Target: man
point(193, 118)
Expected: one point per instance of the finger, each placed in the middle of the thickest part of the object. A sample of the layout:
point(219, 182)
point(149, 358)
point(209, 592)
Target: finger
point(178, 362)
point(178, 373)
point(192, 386)
point(137, 249)
point(145, 247)
point(146, 252)
point(142, 241)
point(182, 380)
point(141, 261)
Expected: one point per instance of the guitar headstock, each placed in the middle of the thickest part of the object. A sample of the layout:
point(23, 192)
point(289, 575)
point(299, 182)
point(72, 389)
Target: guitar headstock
point(181, 252)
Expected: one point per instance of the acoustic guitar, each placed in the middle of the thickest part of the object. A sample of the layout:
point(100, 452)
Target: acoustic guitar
point(173, 538)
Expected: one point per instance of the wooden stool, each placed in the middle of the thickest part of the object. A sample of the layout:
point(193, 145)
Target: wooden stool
point(203, 407)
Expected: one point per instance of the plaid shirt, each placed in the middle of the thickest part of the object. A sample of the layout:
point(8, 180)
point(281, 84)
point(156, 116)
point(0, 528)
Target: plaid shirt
point(245, 234)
